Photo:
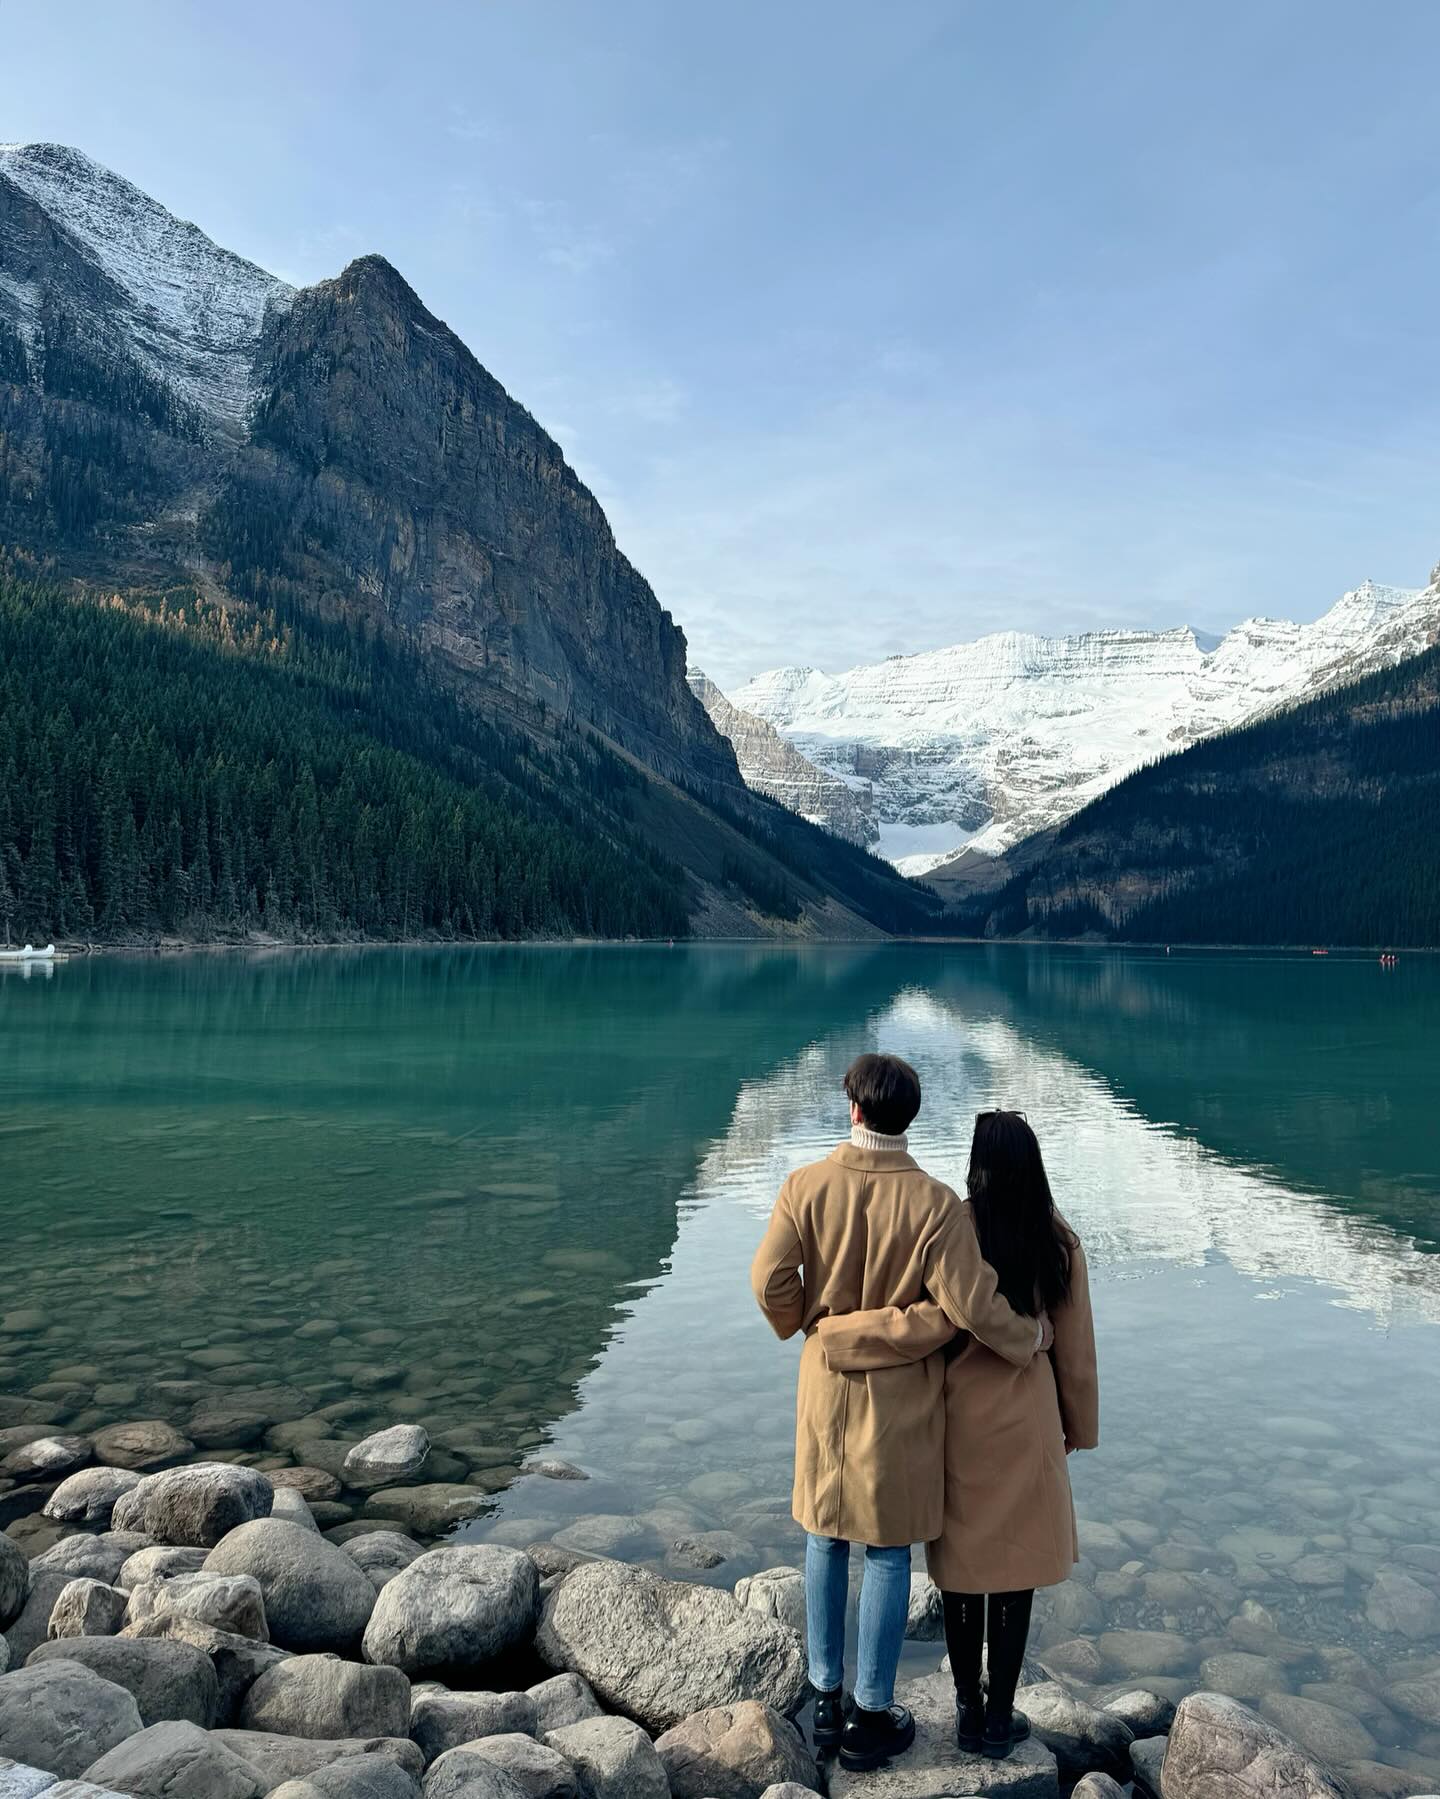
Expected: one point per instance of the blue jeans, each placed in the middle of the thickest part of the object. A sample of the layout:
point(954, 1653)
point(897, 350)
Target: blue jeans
point(884, 1605)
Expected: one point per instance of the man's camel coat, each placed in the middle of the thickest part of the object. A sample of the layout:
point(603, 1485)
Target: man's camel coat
point(1009, 1519)
point(864, 1230)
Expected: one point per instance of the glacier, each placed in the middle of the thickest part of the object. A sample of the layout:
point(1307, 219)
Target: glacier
point(980, 744)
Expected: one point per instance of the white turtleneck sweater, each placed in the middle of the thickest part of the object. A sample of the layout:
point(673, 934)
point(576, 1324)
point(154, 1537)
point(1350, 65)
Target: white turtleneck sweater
point(862, 1137)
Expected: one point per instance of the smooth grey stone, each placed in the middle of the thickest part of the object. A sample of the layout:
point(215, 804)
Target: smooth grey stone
point(160, 1562)
point(315, 1596)
point(87, 1608)
point(291, 1507)
point(1220, 1749)
point(382, 1554)
point(89, 1497)
point(1097, 1786)
point(14, 1581)
point(1417, 1698)
point(1082, 1738)
point(1146, 1713)
point(602, 1533)
point(168, 1680)
point(230, 1602)
point(775, 1593)
point(734, 1752)
point(62, 1716)
point(1400, 1606)
point(281, 1758)
point(322, 1696)
point(540, 1772)
point(176, 1761)
point(561, 1700)
point(356, 1777)
point(145, 1443)
point(47, 1458)
point(32, 1627)
point(85, 1558)
point(195, 1506)
point(431, 1509)
point(937, 1766)
point(663, 1649)
point(613, 1758)
point(453, 1607)
point(1328, 1733)
point(466, 1774)
point(441, 1720)
point(238, 1661)
point(1147, 1759)
point(387, 1457)
point(552, 1468)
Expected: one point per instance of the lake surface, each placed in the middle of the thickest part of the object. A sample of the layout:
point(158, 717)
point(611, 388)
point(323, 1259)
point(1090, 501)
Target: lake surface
point(514, 1193)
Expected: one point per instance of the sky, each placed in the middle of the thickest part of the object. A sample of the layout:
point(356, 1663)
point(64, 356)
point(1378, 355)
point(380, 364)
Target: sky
point(874, 327)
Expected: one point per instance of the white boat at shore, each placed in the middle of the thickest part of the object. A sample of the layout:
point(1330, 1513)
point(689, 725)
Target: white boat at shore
point(29, 954)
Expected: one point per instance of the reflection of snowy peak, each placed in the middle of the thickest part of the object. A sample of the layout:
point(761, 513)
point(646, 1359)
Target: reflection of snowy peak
point(983, 743)
point(192, 313)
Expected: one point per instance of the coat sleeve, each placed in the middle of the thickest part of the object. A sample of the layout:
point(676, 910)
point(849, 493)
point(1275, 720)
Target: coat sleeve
point(1077, 1378)
point(964, 1284)
point(857, 1342)
point(775, 1272)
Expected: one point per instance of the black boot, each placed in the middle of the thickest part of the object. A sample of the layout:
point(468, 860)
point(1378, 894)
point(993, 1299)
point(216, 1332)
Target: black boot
point(999, 1738)
point(828, 1718)
point(871, 1738)
point(969, 1721)
point(964, 1636)
point(1007, 1630)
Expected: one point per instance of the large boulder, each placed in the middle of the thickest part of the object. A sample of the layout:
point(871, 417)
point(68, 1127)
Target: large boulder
point(661, 1650)
point(441, 1720)
point(390, 1456)
point(89, 1497)
point(734, 1752)
point(1220, 1749)
point(321, 1696)
point(540, 1771)
point(230, 1602)
point(63, 1716)
point(356, 1777)
point(176, 1761)
point(315, 1596)
point(465, 1774)
point(775, 1593)
point(936, 1765)
point(168, 1680)
point(146, 1443)
point(87, 1558)
point(195, 1506)
point(87, 1608)
point(282, 1758)
point(14, 1581)
point(613, 1758)
point(382, 1554)
point(238, 1661)
point(1082, 1738)
point(458, 1607)
point(32, 1627)
point(561, 1700)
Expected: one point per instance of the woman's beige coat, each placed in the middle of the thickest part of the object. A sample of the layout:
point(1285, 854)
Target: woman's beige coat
point(1009, 1518)
point(862, 1230)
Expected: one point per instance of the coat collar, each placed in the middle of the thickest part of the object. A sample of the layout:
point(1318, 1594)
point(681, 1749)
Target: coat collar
point(848, 1156)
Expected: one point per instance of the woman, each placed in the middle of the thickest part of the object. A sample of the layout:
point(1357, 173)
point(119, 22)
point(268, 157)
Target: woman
point(1009, 1518)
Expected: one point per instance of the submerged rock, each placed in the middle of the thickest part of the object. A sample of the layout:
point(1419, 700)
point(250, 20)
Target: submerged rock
point(148, 1443)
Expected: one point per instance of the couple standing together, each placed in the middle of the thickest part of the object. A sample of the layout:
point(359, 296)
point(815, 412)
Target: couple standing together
point(947, 1372)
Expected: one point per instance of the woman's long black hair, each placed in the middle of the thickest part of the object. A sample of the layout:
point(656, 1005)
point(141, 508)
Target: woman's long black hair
point(1021, 1235)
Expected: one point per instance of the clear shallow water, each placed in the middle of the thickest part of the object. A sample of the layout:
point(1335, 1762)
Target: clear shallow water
point(514, 1194)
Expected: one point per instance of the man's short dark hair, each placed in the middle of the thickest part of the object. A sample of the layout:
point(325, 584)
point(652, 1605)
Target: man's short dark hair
point(886, 1090)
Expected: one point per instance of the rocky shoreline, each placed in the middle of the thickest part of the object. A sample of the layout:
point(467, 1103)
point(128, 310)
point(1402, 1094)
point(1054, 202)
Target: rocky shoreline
point(190, 1630)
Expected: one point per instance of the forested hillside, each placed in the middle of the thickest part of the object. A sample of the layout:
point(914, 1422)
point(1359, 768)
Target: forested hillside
point(167, 766)
point(1320, 825)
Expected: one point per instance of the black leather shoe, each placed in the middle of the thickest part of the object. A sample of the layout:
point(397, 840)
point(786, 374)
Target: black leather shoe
point(999, 1739)
point(871, 1738)
point(828, 1718)
point(969, 1722)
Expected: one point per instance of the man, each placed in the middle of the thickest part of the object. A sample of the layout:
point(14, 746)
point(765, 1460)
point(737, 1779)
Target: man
point(870, 1229)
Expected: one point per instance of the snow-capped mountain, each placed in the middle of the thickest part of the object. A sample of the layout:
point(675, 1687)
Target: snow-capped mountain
point(776, 768)
point(193, 313)
point(983, 743)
